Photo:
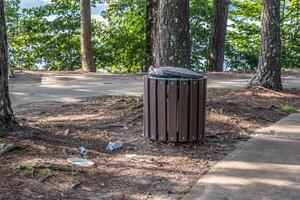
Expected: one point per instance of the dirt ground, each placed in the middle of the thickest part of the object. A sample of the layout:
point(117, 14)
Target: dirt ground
point(51, 132)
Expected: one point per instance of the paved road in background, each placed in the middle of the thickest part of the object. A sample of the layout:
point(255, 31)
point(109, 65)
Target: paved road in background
point(30, 87)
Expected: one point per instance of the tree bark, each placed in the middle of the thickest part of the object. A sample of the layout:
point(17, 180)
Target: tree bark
point(151, 19)
point(269, 66)
point(85, 37)
point(6, 113)
point(171, 46)
point(218, 35)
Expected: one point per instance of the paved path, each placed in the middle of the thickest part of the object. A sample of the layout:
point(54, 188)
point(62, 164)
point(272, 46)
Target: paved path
point(265, 168)
point(37, 87)
point(30, 87)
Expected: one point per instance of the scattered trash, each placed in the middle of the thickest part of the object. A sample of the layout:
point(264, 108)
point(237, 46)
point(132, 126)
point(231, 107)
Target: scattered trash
point(131, 155)
point(67, 132)
point(64, 150)
point(173, 72)
point(114, 145)
point(82, 150)
point(131, 148)
point(81, 162)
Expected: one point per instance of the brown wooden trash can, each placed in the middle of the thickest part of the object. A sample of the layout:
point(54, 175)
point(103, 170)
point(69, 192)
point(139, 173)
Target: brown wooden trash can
point(174, 109)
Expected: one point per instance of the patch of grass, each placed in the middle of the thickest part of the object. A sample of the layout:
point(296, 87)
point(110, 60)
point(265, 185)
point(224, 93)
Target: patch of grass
point(26, 167)
point(126, 106)
point(185, 191)
point(288, 109)
point(44, 170)
point(30, 167)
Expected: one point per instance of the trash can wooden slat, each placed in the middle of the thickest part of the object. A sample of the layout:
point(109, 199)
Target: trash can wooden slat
point(193, 136)
point(153, 109)
point(162, 110)
point(174, 109)
point(146, 108)
point(183, 105)
point(201, 111)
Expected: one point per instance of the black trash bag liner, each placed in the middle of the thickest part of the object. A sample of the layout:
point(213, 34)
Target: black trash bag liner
point(173, 72)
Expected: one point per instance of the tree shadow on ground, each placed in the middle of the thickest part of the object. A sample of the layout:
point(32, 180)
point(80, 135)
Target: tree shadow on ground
point(94, 122)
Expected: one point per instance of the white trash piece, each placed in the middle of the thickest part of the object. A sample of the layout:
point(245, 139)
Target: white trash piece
point(114, 145)
point(82, 150)
point(81, 162)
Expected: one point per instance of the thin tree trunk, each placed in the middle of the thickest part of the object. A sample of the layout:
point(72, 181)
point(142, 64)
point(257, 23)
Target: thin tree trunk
point(172, 39)
point(151, 18)
point(87, 61)
point(218, 35)
point(269, 67)
point(283, 53)
point(6, 113)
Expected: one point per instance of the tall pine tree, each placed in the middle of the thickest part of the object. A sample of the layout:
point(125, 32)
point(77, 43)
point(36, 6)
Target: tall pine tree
point(218, 35)
point(171, 36)
point(269, 66)
point(151, 18)
point(87, 61)
point(6, 113)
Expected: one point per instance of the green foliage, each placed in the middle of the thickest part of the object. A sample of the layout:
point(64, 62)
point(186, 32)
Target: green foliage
point(200, 12)
point(120, 41)
point(38, 41)
point(288, 109)
point(47, 37)
point(243, 35)
point(290, 33)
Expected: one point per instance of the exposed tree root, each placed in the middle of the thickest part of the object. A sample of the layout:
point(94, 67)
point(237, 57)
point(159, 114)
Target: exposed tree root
point(266, 89)
point(46, 177)
point(6, 148)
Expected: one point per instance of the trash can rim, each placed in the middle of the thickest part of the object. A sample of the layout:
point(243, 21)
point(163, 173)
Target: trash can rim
point(151, 77)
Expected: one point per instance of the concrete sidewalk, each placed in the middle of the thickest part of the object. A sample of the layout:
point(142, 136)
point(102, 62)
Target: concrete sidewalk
point(265, 168)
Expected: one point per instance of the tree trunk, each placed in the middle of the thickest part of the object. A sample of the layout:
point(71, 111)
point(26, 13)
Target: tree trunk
point(172, 39)
point(6, 113)
point(151, 18)
point(269, 66)
point(85, 37)
point(218, 35)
